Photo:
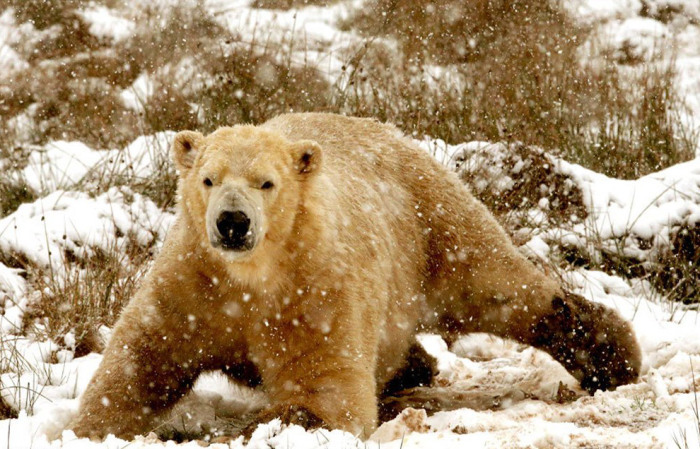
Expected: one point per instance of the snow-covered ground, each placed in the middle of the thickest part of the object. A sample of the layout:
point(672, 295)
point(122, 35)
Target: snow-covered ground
point(495, 393)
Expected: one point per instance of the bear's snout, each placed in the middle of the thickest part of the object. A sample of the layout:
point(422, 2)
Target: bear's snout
point(234, 228)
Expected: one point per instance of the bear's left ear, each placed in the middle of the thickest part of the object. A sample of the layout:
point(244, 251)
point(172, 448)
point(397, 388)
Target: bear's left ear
point(307, 156)
point(185, 149)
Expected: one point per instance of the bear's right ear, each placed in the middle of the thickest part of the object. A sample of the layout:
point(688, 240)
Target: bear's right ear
point(185, 149)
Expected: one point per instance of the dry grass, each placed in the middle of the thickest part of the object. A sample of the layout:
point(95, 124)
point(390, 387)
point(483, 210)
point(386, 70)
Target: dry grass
point(251, 88)
point(12, 195)
point(289, 4)
point(13, 189)
point(41, 13)
point(86, 295)
point(451, 32)
point(520, 80)
point(671, 271)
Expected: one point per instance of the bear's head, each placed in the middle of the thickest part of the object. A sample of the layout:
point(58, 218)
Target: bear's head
point(241, 187)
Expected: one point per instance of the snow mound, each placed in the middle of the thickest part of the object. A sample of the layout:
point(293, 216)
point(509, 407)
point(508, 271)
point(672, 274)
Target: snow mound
point(64, 165)
point(106, 24)
point(650, 208)
point(64, 221)
point(566, 204)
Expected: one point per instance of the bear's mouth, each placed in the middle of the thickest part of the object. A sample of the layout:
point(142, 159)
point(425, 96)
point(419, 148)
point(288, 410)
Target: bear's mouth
point(234, 244)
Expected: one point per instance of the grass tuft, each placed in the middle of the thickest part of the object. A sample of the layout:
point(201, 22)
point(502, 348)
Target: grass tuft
point(86, 295)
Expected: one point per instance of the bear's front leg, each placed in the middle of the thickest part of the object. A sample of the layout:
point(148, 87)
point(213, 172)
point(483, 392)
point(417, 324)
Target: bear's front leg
point(141, 375)
point(316, 379)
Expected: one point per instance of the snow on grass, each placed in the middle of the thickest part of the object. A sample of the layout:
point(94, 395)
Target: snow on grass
point(105, 24)
point(592, 11)
point(64, 165)
point(60, 165)
point(637, 38)
point(137, 95)
point(648, 208)
point(10, 60)
point(666, 24)
point(313, 29)
point(62, 221)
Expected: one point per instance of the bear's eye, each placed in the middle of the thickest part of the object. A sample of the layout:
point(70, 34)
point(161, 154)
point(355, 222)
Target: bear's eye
point(267, 185)
point(207, 182)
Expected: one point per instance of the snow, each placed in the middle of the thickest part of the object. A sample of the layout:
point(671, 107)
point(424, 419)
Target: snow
point(513, 389)
point(104, 24)
point(62, 165)
point(72, 221)
point(10, 60)
point(135, 96)
point(311, 32)
point(640, 37)
point(649, 207)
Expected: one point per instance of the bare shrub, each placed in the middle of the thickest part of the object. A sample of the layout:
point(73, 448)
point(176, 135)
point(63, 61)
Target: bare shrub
point(252, 86)
point(41, 13)
point(6, 412)
point(12, 194)
point(676, 270)
point(512, 180)
point(13, 188)
point(165, 37)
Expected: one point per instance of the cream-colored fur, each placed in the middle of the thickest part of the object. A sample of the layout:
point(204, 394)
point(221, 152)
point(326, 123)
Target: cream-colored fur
point(362, 241)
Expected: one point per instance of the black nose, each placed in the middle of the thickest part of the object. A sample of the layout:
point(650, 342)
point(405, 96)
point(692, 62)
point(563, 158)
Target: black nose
point(233, 227)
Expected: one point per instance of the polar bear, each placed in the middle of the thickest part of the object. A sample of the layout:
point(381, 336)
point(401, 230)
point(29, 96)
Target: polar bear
point(306, 255)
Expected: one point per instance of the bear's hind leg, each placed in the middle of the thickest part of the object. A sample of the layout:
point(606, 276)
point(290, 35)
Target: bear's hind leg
point(591, 341)
point(479, 282)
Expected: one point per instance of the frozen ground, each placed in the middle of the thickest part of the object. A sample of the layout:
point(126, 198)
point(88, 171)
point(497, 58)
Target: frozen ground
point(519, 397)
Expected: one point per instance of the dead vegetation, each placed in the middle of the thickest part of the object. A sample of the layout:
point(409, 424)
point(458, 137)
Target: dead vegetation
point(85, 295)
point(484, 70)
point(519, 78)
point(289, 4)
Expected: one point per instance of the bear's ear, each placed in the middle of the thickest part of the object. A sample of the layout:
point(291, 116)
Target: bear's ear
point(307, 156)
point(185, 149)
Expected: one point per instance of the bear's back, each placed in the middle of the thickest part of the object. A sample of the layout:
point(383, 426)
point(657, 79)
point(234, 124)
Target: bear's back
point(364, 147)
